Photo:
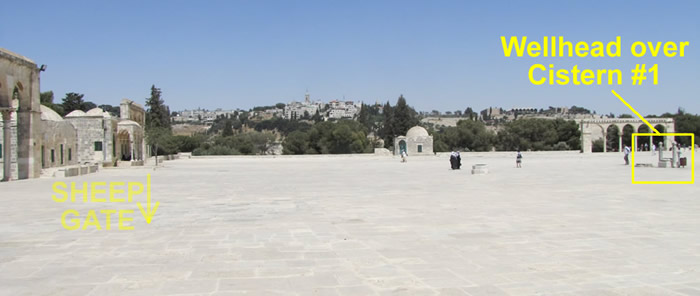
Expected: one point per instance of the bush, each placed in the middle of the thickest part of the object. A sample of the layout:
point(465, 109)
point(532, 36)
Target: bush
point(562, 146)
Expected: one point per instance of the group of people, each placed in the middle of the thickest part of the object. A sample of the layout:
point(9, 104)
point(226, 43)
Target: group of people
point(627, 150)
point(456, 159)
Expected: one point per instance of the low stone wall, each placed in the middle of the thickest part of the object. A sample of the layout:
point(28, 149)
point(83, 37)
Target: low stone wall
point(439, 155)
point(382, 152)
point(73, 171)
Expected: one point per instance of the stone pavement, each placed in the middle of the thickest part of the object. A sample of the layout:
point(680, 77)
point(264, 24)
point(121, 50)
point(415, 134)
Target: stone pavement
point(564, 224)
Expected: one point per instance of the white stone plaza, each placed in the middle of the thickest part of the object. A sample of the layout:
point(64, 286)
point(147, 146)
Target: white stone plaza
point(564, 224)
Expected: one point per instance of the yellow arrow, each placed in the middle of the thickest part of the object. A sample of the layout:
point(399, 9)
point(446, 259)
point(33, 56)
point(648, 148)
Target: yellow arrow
point(635, 111)
point(148, 213)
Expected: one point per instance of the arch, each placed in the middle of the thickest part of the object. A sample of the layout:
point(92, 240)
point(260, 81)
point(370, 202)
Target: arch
point(642, 142)
point(612, 139)
point(124, 139)
point(15, 98)
point(626, 136)
point(659, 139)
point(402, 146)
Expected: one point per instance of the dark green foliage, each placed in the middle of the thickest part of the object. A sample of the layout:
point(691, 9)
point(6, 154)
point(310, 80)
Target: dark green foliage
point(46, 99)
point(113, 110)
point(598, 145)
point(468, 135)
point(157, 113)
point(281, 125)
point(73, 101)
point(578, 110)
point(404, 117)
point(250, 143)
point(538, 134)
point(158, 128)
point(297, 142)
point(340, 137)
point(228, 128)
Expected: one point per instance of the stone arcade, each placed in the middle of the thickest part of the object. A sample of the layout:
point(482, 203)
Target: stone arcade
point(593, 129)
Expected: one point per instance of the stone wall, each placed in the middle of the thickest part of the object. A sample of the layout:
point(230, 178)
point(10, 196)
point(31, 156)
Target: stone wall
point(55, 134)
point(89, 131)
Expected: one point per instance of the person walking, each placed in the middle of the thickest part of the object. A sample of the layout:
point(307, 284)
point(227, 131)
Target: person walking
point(404, 155)
point(519, 160)
point(455, 160)
point(627, 153)
point(653, 149)
point(459, 160)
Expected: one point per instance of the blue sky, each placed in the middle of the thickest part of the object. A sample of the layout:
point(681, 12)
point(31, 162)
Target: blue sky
point(443, 55)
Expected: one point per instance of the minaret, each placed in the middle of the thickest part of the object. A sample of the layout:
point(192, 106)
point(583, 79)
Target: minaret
point(307, 100)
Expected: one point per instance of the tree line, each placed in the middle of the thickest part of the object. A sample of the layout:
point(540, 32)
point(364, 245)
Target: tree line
point(376, 126)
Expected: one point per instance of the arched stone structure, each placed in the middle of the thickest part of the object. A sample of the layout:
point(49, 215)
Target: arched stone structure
point(21, 124)
point(417, 141)
point(592, 129)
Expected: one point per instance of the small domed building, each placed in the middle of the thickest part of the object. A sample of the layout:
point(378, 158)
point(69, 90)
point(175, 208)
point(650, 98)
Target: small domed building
point(59, 138)
point(417, 141)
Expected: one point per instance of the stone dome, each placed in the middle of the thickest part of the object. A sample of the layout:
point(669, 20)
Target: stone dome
point(76, 113)
point(417, 132)
point(49, 115)
point(97, 111)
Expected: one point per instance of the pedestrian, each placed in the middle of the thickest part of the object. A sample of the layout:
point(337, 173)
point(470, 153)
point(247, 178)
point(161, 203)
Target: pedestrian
point(627, 153)
point(459, 160)
point(519, 160)
point(455, 160)
point(404, 155)
point(653, 149)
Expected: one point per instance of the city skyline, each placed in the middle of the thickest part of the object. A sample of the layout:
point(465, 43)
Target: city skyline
point(443, 56)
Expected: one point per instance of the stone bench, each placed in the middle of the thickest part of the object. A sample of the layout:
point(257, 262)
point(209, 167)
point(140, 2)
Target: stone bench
point(480, 169)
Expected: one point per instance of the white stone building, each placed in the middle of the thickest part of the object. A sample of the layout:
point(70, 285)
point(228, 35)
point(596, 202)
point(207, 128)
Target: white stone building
point(417, 141)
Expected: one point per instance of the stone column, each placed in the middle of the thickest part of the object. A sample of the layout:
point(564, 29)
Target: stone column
point(7, 144)
point(619, 149)
point(605, 142)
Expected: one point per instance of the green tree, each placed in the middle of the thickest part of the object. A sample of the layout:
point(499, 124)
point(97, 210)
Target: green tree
point(467, 135)
point(47, 98)
point(364, 116)
point(297, 142)
point(404, 117)
point(687, 123)
point(228, 128)
point(387, 130)
point(158, 128)
point(73, 101)
point(538, 134)
point(113, 110)
point(157, 113)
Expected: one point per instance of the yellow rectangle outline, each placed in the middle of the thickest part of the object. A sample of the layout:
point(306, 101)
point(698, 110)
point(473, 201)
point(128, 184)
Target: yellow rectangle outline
point(692, 154)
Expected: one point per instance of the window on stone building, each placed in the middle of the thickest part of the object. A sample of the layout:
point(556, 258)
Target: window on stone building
point(420, 148)
point(0, 151)
point(69, 154)
point(98, 146)
point(53, 158)
point(61, 153)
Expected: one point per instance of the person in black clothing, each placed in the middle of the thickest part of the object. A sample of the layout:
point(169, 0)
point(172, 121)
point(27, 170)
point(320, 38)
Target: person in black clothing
point(455, 160)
